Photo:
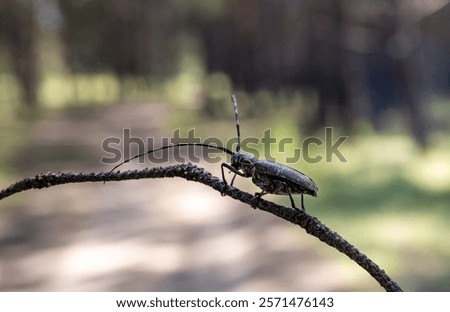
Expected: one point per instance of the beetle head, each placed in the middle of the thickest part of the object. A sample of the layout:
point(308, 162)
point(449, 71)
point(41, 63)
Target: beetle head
point(243, 161)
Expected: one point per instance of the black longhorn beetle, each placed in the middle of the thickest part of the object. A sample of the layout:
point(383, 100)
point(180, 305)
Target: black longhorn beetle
point(270, 177)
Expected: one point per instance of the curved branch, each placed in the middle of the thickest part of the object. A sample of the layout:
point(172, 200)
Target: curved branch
point(193, 173)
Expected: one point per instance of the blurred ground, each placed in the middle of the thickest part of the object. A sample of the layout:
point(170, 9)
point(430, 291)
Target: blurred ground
point(174, 235)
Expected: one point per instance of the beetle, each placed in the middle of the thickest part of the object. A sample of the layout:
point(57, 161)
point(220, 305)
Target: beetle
point(270, 177)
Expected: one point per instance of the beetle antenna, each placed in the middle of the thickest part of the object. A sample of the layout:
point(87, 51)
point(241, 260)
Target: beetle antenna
point(223, 149)
point(233, 98)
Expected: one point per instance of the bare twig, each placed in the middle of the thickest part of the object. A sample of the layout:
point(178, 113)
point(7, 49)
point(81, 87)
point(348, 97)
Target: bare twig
point(193, 173)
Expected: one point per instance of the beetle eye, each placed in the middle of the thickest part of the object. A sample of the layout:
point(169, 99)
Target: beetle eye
point(246, 161)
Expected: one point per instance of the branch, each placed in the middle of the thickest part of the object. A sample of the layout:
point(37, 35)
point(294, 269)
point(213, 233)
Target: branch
point(193, 173)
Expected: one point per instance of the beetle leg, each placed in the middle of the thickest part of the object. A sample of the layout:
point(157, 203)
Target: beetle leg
point(223, 179)
point(232, 169)
point(258, 197)
point(223, 175)
point(292, 201)
point(290, 195)
point(232, 180)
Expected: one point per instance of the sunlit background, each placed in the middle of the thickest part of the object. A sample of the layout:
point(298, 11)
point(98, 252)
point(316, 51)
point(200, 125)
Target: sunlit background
point(73, 73)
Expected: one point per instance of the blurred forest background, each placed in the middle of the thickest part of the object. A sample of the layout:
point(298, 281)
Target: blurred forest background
point(73, 73)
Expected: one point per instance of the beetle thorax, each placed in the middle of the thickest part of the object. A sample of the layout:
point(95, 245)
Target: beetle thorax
point(243, 161)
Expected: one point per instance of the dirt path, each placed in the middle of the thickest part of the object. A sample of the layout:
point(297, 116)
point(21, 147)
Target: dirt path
point(153, 235)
